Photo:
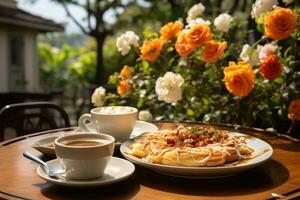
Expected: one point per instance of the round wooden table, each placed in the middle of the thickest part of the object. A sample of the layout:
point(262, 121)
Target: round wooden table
point(281, 174)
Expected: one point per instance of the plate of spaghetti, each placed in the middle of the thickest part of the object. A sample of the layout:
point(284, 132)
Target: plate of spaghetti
point(196, 152)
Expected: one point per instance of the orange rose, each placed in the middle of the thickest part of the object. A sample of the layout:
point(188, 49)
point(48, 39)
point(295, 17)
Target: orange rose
point(151, 49)
point(170, 30)
point(199, 34)
point(280, 23)
point(270, 68)
point(124, 88)
point(183, 45)
point(213, 51)
point(294, 110)
point(239, 78)
point(126, 72)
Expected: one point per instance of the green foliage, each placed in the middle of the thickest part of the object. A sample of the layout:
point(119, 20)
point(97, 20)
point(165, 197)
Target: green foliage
point(54, 64)
point(60, 67)
point(82, 70)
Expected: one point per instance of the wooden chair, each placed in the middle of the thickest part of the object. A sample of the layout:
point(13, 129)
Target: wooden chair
point(26, 118)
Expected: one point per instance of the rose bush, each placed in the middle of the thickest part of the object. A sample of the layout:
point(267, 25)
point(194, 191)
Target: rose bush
point(198, 70)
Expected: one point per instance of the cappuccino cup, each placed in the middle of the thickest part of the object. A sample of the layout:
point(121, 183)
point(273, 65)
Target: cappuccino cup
point(84, 155)
point(117, 121)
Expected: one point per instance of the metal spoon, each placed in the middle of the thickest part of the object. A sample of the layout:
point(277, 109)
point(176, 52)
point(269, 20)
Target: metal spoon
point(277, 196)
point(51, 171)
point(291, 195)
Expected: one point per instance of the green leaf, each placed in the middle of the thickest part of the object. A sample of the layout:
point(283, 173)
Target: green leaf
point(190, 112)
point(148, 34)
point(145, 65)
point(140, 103)
point(170, 49)
point(279, 80)
point(171, 61)
point(114, 79)
point(260, 27)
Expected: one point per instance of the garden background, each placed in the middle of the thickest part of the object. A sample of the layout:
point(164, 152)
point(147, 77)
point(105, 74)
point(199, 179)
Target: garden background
point(79, 63)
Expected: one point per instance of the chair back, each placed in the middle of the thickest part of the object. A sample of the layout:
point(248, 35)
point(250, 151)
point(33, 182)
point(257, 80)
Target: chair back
point(30, 117)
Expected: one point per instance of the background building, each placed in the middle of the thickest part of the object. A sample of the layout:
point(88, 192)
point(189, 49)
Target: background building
point(18, 47)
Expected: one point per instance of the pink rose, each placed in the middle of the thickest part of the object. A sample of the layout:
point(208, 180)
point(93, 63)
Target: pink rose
point(266, 50)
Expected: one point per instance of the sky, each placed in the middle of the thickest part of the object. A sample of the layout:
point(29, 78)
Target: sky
point(53, 11)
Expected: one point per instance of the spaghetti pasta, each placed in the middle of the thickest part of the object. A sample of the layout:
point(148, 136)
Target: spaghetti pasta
point(189, 146)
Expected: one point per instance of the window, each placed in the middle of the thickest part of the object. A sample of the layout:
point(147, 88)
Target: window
point(16, 43)
point(16, 53)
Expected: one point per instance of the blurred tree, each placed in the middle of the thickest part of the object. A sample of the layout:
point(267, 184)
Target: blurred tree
point(96, 27)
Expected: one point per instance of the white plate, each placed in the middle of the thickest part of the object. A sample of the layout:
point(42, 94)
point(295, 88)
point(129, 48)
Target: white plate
point(117, 170)
point(207, 172)
point(42, 145)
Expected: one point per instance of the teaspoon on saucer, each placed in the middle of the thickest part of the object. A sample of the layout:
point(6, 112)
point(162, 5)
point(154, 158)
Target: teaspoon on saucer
point(51, 171)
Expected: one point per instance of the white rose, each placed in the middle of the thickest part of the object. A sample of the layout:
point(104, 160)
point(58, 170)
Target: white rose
point(222, 22)
point(262, 6)
point(287, 1)
point(249, 55)
point(195, 11)
point(126, 41)
point(199, 20)
point(168, 87)
point(145, 115)
point(98, 97)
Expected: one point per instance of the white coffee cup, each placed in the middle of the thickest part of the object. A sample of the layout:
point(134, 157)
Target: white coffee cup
point(84, 155)
point(117, 121)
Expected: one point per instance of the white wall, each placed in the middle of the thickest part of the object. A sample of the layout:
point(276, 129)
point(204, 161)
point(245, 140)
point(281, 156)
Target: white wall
point(3, 61)
point(30, 59)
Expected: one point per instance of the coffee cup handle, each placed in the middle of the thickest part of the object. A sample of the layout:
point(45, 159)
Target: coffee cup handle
point(82, 122)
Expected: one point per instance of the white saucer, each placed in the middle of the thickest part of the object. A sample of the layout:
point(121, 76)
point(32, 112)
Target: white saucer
point(45, 145)
point(117, 170)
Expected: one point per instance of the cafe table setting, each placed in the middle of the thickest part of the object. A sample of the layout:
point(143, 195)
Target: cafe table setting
point(112, 155)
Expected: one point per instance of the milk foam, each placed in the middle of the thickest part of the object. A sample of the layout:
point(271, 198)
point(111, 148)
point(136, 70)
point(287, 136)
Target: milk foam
point(111, 110)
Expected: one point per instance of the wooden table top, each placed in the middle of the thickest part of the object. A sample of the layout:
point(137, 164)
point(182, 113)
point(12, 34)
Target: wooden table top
point(280, 174)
